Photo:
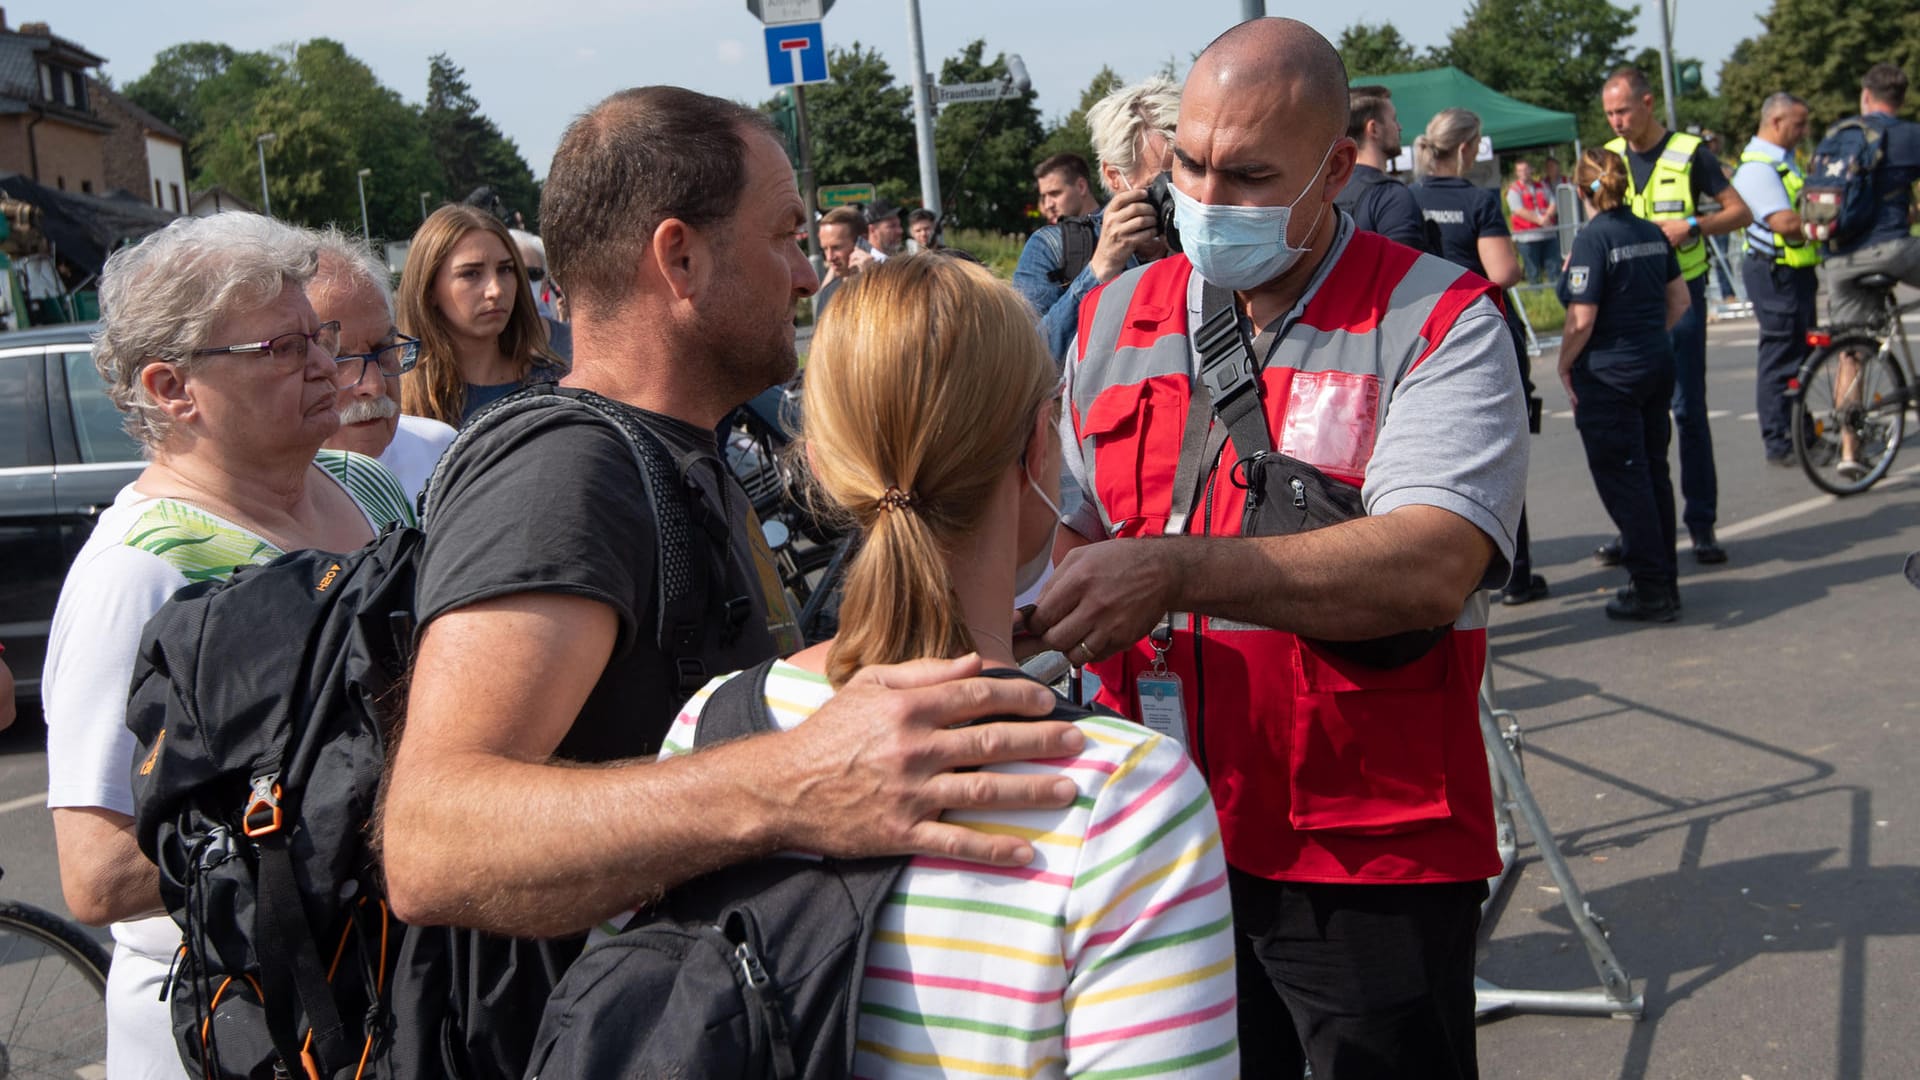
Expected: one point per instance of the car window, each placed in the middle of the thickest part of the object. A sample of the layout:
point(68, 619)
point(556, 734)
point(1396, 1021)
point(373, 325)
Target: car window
point(14, 429)
point(96, 423)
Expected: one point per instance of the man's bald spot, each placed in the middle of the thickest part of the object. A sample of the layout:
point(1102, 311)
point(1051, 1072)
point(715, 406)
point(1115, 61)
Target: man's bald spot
point(1274, 53)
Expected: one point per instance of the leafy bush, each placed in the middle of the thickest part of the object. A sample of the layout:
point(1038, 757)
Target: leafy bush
point(999, 251)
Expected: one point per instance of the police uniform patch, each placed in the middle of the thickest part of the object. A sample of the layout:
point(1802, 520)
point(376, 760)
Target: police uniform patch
point(1576, 278)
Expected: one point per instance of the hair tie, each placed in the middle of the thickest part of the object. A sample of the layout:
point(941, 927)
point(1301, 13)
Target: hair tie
point(895, 499)
point(1595, 186)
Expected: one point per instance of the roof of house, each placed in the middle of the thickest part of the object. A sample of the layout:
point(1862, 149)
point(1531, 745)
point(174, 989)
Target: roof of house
point(225, 195)
point(148, 122)
point(19, 58)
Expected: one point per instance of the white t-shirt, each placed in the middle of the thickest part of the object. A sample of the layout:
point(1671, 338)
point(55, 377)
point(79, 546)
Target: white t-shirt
point(416, 448)
point(110, 591)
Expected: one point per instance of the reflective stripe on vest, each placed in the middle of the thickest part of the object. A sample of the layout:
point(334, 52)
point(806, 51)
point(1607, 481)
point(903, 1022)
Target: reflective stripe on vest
point(1669, 195)
point(1534, 199)
point(1785, 252)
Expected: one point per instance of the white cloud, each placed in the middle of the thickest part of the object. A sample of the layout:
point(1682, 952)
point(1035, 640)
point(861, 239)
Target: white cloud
point(730, 50)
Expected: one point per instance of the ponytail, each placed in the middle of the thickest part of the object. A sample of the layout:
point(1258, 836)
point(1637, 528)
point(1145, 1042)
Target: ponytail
point(923, 385)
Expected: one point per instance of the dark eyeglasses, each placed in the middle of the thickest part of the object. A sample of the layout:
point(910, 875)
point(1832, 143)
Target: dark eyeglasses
point(287, 349)
point(391, 361)
point(535, 273)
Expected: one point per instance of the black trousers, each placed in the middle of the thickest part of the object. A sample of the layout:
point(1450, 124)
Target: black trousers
point(1783, 304)
point(1626, 434)
point(1366, 982)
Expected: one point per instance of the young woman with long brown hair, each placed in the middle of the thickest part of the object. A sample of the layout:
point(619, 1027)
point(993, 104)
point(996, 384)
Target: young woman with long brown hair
point(929, 419)
point(464, 294)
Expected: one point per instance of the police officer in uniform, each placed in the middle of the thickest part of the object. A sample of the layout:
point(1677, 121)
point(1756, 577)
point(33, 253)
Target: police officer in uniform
point(1669, 174)
point(1624, 291)
point(1474, 234)
point(1779, 267)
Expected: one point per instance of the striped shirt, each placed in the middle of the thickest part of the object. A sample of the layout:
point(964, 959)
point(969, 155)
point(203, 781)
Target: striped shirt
point(1110, 955)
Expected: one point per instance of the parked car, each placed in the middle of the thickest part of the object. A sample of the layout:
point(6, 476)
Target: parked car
point(63, 457)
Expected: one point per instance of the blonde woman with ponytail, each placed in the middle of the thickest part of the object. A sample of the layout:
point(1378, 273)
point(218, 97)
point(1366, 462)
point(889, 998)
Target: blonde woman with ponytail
point(929, 420)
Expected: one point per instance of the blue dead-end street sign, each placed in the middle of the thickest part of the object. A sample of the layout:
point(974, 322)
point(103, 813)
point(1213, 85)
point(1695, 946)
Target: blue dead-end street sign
point(796, 54)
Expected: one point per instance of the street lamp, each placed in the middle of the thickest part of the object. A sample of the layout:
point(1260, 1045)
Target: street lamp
point(365, 233)
point(260, 145)
point(423, 206)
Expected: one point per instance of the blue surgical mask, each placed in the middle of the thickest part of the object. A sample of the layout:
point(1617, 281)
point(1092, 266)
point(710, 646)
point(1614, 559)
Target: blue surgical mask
point(1240, 247)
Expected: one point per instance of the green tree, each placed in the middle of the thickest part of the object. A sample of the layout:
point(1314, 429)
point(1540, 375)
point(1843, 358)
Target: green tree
point(861, 125)
point(1370, 49)
point(331, 118)
point(1551, 53)
point(986, 150)
point(468, 147)
point(200, 82)
point(1070, 134)
point(1695, 108)
point(1819, 51)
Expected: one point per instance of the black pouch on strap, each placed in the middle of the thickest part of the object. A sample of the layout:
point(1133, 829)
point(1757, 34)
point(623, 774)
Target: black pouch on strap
point(1286, 496)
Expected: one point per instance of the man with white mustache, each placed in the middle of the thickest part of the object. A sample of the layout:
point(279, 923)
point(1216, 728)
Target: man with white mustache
point(351, 286)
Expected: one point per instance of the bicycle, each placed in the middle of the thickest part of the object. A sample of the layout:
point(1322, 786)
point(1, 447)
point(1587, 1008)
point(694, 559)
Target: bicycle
point(1850, 398)
point(53, 984)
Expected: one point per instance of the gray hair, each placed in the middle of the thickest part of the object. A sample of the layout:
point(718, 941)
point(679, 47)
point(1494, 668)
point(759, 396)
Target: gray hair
point(348, 263)
point(529, 242)
point(161, 298)
point(1778, 103)
point(1121, 121)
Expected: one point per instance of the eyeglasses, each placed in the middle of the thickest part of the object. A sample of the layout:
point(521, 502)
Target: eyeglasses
point(288, 348)
point(392, 361)
point(535, 273)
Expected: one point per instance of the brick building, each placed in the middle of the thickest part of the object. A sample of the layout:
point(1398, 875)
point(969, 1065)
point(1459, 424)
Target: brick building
point(50, 128)
point(144, 155)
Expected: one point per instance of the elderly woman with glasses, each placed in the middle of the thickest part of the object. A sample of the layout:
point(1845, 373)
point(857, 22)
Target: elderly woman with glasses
point(228, 380)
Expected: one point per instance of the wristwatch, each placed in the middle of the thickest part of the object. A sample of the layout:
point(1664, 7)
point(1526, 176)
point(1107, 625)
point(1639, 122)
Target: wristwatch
point(1693, 226)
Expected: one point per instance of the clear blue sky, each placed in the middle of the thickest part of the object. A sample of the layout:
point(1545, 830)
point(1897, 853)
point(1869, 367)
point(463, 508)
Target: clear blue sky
point(536, 64)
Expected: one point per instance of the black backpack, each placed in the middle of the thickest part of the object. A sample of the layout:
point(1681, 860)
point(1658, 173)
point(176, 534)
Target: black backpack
point(1077, 241)
point(262, 706)
point(752, 971)
point(1838, 203)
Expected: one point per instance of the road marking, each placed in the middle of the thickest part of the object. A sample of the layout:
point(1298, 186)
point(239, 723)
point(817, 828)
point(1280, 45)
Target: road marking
point(1749, 416)
point(1772, 517)
point(1718, 414)
point(1562, 414)
point(23, 802)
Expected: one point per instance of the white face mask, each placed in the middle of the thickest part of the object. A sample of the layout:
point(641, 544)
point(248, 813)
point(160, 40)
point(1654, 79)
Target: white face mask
point(1031, 571)
point(1240, 247)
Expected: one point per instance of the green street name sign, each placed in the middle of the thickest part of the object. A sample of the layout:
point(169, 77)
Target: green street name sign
point(845, 195)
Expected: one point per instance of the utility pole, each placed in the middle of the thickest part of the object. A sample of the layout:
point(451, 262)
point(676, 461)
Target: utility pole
point(366, 232)
point(1666, 60)
point(809, 189)
point(1252, 9)
point(260, 146)
point(923, 113)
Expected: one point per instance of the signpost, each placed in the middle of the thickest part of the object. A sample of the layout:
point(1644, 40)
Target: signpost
point(796, 56)
point(998, 90)
point(845, 195)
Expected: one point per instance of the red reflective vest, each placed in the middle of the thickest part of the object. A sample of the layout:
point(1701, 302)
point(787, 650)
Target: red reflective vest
point(1321, 770)
point(1535, 199)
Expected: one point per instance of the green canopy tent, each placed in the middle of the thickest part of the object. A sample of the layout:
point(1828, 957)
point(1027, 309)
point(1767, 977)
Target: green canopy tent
point(1511, 124)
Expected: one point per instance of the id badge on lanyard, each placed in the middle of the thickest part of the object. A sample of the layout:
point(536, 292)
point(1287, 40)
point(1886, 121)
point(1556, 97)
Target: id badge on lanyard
point(1162, 709)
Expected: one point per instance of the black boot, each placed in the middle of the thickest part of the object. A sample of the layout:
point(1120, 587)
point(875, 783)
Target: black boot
point(1645, 601)
point(1707, 550)
point(1608, 554)
point(1625, 594)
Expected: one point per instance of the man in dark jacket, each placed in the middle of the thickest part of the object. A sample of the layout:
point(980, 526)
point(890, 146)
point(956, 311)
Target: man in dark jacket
point(1378, 202)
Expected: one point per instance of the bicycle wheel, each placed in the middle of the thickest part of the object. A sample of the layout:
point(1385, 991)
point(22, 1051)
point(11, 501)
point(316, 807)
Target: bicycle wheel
point(53, 983)
point(1848, 419)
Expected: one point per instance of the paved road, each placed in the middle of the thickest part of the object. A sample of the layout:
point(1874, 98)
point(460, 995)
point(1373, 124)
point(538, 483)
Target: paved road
point(1736, 791)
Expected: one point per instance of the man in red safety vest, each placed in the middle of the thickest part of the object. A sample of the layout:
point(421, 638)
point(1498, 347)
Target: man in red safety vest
point(1347, 767)
point(1530, 204)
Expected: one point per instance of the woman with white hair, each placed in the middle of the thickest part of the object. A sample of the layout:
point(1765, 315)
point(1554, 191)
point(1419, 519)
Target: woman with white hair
point(1132, 130)
point(227, 379)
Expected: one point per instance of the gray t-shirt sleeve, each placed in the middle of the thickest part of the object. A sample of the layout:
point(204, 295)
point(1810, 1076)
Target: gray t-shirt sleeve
point(1455, 435)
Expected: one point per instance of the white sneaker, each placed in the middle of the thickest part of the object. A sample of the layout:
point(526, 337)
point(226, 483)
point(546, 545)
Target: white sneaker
point(1850, 469)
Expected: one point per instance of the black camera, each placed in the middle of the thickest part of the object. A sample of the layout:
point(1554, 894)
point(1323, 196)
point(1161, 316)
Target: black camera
point(1160, 197)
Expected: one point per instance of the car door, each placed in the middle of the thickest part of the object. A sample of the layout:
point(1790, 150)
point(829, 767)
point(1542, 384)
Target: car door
point(33, 559)
point(94, 457)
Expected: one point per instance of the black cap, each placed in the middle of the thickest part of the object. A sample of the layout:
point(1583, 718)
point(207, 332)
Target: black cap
point(881, 208)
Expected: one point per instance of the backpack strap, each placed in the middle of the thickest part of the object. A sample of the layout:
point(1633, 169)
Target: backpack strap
point(680, 584)
point(1077, 242)
point(291, 970)
point(1228, 386)
point(736, 709)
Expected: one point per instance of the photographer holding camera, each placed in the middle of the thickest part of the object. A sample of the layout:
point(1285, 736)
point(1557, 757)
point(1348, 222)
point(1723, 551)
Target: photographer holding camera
point(1303, 452)
point(1063, 262)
